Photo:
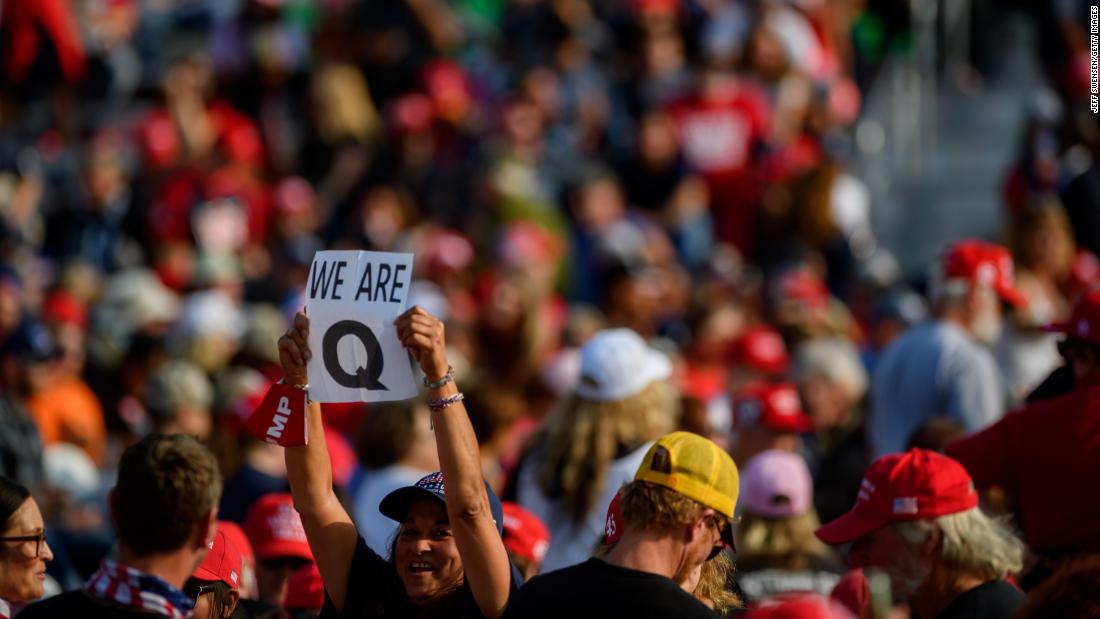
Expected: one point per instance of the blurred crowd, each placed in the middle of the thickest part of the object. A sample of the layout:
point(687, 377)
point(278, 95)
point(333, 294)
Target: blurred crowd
point(570, 175)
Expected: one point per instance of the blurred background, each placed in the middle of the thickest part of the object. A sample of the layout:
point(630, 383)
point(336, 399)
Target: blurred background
point(759, 186)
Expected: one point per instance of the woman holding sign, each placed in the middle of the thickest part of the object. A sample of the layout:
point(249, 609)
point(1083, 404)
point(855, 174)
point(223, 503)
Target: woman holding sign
point(448, 559)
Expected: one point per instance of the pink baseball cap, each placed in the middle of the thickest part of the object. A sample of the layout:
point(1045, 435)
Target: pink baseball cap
point(776, 484)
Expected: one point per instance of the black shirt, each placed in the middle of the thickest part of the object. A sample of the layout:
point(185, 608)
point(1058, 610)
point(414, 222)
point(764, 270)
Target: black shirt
point(80, 604)
point(374, 590)
point(993, 600)
point(600, 590)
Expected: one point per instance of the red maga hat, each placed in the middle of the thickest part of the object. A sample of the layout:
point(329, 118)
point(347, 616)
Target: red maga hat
point(275, 529)
point(304, 589)
point(524, 534)
point(762, 349)
point(984, 264)
point(777, 407)
point(222, 562)
point(798, 606)
point(897, 487)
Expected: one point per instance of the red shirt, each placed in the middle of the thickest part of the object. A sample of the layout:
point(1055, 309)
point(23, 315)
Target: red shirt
point(1046, 457)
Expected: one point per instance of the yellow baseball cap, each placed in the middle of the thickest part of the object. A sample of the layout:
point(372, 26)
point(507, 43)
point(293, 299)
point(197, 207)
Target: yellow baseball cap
point(694, 467)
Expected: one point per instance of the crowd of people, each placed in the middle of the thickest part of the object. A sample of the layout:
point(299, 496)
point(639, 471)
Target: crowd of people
point(667, 370)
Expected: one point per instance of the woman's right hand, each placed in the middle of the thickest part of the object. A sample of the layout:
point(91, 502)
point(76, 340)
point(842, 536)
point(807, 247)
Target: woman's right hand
point(294, 351)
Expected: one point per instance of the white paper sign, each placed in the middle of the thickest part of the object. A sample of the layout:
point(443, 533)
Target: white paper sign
point(352, 299)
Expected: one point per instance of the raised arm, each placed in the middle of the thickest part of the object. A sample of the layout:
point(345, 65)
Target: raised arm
point(329, 528)
point(484, 558)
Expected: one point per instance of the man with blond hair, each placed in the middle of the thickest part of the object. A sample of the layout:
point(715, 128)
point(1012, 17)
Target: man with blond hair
point(917, 519)
point(675, 515)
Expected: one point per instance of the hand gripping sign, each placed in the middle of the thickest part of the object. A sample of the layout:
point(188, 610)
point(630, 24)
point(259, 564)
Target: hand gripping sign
point(353, 298)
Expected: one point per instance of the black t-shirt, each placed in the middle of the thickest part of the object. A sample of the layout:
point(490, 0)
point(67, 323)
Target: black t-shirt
point(600, 590)
point(993, 600)
point(374, 590)
point(80, 604)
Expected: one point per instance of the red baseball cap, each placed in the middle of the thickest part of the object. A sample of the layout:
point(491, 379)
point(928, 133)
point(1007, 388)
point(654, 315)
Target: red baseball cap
point(798, 606)
point(275, 529)
point(898, 487)
point(762, 349)
point(524, 534)
point(984, 264)
point(222, 562)
point(774, 406)
point(803, 286)
point(63, 308)
point(1084, 320)
point(236, 535)
point(304, 589)
point(613, 524)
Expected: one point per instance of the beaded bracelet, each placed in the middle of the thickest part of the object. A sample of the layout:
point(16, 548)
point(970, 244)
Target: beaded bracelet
point(446, 378)
point(437, 405)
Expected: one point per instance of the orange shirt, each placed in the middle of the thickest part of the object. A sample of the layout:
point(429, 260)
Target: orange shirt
point(69, 412)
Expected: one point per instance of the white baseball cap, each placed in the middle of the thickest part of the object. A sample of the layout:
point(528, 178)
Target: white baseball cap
point(617, 364)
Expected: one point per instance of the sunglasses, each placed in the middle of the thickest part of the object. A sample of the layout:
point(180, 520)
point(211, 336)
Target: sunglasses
point(725, 538)
point(39, 540)
point(196, 590)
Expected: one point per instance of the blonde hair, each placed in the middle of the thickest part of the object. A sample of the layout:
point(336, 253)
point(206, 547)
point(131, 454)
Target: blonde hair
point(648, 506)
point(585, 436)
point(713, 588)
point(1041, 212)
point(972, 542)
point(781, 543)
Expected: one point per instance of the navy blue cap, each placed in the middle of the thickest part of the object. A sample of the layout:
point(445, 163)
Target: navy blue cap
point(31, 342)
point(396, 504)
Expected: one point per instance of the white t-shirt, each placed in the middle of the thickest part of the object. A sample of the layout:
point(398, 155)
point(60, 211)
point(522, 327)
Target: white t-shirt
point(572, 542)
point(375, 528)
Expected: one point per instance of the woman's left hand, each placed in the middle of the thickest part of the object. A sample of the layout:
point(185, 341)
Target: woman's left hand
point(422, 334)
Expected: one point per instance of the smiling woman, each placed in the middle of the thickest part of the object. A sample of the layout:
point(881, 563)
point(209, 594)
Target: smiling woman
point(23, 548)
point(447, 557)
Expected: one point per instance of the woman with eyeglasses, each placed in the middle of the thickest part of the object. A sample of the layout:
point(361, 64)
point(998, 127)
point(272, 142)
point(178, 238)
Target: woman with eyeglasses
point(23, 548)
point(215, 585)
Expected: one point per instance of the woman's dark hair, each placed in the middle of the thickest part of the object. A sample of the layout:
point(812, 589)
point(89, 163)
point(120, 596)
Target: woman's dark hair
point(221, 600)
point(12, 497)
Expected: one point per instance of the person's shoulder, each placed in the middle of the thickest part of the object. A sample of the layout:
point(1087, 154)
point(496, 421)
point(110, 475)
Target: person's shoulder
point(78, 604)
point(52, 607)
point(992, 599)
point(916, 336)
